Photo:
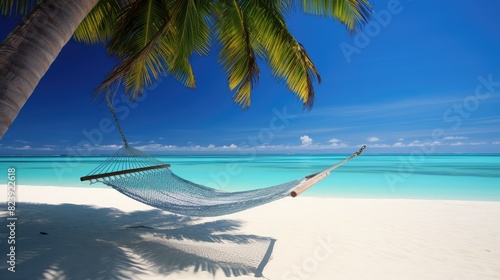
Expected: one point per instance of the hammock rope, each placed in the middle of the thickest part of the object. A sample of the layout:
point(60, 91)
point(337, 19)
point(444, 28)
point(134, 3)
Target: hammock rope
point(150, 181)
point(112, 109)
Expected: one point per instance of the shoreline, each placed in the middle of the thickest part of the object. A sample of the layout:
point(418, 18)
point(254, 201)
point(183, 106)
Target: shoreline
point(102, 234)
point(305, 194)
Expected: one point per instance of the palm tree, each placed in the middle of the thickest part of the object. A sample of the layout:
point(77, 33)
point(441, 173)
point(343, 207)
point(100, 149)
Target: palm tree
point(150, 38)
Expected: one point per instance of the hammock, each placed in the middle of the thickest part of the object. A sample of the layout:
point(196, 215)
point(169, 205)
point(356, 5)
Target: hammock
point(150, 181)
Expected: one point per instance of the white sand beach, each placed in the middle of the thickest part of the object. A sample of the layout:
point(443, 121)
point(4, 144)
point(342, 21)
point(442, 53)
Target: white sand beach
point(85, 233)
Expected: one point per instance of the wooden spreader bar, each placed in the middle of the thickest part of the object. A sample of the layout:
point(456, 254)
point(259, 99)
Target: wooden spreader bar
point(121, 172)
point(311, 181)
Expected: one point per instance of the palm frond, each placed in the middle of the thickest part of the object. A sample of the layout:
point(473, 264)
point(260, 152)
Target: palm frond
point(17, 7)
point(286, 57)
point(156, 38)
point(352, 13)
point(152, 38)
point(99, 24)
point(135, 24)
point(237, 54)
point(140, 27)
point(142, 24)
point(191, 34)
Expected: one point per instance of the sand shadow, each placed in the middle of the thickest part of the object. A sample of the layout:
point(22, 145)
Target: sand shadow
point(84, 242)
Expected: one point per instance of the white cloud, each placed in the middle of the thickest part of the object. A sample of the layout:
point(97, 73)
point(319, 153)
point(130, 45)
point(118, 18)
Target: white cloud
point(398, 144)
point(455, 138)
point(496, 143)
point(29, 148)
point(401, 139)
point(26, 147)
point(379, 146)
point(232, 146)
point(418, 143)
point(306, 140)
point(157, 147)
point(271, 147)
point(49, 146)
point(457, 144)
point(338, 145)
point(372, 139)
point(415, 143)
point(105, 147)
point(477, 143)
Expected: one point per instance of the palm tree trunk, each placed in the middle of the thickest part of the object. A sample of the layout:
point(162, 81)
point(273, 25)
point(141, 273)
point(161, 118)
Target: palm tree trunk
point(29, 50)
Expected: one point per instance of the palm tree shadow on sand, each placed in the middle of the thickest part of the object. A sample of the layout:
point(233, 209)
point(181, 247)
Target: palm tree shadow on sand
point(83, 242)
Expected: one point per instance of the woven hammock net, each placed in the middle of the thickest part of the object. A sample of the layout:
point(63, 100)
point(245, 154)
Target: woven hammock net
point(162, 189)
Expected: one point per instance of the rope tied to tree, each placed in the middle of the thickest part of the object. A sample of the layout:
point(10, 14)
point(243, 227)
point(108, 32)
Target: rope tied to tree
point(112, 109)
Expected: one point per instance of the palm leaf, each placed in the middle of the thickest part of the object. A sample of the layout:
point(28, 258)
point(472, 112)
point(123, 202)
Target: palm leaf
point(152, 38)
point(98, 25)
point(191, 34)
point(156, 38)
point(352, 13)
point(286, 57)
point(17, 7)
point(139, 27)
point(237, 54)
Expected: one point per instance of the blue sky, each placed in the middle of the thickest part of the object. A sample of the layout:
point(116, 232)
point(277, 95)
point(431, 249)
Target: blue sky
point(423, 76)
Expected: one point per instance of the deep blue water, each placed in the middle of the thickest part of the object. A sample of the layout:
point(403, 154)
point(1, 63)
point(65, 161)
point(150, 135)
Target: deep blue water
point(468, 177)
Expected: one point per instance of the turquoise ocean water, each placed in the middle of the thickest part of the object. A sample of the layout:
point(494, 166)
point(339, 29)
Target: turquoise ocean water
point(466, 177)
